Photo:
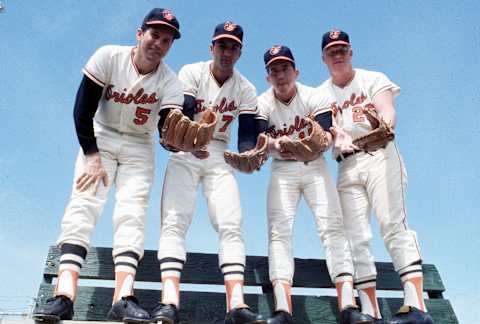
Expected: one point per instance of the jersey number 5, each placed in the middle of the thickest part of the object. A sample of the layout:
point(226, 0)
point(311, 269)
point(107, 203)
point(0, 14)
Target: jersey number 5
point(227, 119)
point(141, 115)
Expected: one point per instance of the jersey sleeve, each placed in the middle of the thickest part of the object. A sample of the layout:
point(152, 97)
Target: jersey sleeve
point(262, 108)
point(319, 101)
point(189, 75)
point(379, 82)
point(172, 93)
point(248, 103)
point(97, 68)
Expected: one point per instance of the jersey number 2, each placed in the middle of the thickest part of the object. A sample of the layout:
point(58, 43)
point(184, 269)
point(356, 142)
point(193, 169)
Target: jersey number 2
point(227, 119)
point(357, 115)
point(141, 115)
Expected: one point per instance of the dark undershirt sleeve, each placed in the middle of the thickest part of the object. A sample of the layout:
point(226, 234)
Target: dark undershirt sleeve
point(86, 104)
point(247, 132)
point(324, 120)
point(189, 105)
point(188, 110)
point(262, 126)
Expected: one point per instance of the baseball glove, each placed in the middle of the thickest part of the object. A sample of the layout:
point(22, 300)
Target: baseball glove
point(308, 148)
point(250, 160)
point(180, 133)
point(378, 137)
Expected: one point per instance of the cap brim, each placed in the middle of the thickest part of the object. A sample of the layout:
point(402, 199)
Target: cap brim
point(161, 22)
point(278, 58)
point(235, 38)
point(340, 42)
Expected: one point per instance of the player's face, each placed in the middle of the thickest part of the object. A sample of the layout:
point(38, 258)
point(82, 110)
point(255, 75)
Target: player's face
point(282, 76)
point(226, 53)
point(338, 58)
point(154, 43)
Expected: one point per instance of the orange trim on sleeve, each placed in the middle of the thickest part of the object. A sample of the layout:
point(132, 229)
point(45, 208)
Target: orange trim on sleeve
point(93, 78)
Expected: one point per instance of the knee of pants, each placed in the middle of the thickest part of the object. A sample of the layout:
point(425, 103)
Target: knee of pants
point(230, 234)
point(280, 238)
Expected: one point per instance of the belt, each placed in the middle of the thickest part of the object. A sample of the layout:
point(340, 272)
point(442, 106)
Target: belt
point(343, 156)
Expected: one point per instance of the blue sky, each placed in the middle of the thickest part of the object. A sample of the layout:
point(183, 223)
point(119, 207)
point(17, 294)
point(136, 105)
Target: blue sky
point(429, 48)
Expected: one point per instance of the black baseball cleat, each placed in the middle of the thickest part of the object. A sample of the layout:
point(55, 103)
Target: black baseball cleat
point(55, 309)
point(243, 316)
point(411, 315)
point(280, 317)
point(352, 315)
point(166, 314)
point(128, 311)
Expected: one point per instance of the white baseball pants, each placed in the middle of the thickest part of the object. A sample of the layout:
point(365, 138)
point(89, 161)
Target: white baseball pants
point(129, 163)
point(183, 175)
point(289, 180)
point(376, 181)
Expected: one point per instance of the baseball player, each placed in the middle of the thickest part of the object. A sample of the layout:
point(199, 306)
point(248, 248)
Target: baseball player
point(371, 179)
point(123, 90)
point(282, 112)
point(218, 86)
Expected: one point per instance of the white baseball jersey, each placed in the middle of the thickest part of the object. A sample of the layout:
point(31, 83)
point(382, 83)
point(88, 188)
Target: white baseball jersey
point(131, 101)
point(358, 94)
point(289, 118)
point(236, 96)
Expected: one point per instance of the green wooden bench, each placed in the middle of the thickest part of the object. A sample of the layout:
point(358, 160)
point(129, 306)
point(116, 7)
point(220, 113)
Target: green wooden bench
point(207, 307)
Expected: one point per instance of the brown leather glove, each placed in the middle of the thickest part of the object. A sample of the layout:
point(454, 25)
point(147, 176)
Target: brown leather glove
point(308, 148)
point(180, 133)
point(250, 160)
point(378, 137)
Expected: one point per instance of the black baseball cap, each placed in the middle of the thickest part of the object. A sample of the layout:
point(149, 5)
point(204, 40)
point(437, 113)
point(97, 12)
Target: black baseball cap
point(160, 16)
point(278, 52)
point(229, 30)
point(334, 37)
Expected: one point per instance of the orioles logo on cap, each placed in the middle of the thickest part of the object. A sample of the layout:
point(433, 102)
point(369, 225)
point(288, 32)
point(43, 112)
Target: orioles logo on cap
point(167, 14)
point(334, 34)
point(229, 26)
point(275, 49)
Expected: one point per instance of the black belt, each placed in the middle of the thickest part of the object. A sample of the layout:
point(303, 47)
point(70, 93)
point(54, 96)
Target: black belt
point(343, 156)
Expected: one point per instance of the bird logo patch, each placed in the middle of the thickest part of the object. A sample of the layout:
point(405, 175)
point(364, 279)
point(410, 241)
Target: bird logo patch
point(168, 15)
point(229, 26)
point(334, 34)
point(275, 49)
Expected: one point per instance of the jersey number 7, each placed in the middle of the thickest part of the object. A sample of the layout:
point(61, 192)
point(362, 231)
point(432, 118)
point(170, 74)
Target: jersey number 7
point(227, 119)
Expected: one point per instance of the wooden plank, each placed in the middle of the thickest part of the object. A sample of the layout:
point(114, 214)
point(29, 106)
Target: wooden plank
point(208, 307)
point(202, 268)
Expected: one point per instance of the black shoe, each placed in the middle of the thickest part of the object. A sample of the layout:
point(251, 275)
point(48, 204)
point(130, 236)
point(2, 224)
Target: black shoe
point(411, 315)
point(128, 311)
point(55, 309)
point(243, 316)
point(352, 315)
point(280, 317)
point(166, 313)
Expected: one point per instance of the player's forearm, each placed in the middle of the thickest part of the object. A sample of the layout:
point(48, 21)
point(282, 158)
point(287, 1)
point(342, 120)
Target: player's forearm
point(385, 106)
point(247, 132)
point(86, 104)
point(325, 120)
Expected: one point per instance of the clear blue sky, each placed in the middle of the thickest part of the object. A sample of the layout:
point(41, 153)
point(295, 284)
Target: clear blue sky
point(430, 48)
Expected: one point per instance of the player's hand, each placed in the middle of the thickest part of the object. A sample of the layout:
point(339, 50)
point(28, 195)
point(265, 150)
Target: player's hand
point(342, 141)
point(93, 173)
point(201, 154)
point(274, 146)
